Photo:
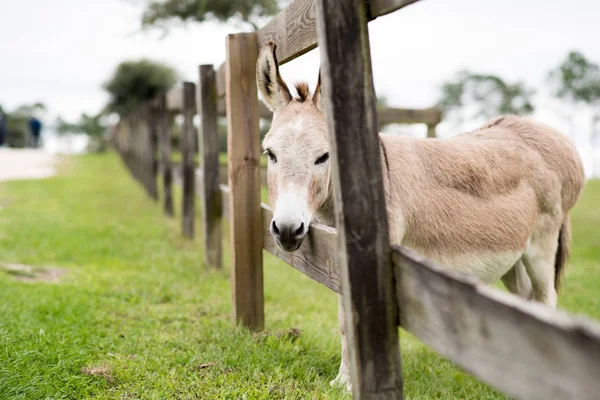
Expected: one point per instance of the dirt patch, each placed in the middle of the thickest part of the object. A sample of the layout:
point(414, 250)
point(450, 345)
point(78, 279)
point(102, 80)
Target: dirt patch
point(29, 273)
point(102, 371)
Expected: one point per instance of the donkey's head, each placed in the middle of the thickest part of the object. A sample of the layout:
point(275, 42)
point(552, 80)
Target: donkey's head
point(298, 151)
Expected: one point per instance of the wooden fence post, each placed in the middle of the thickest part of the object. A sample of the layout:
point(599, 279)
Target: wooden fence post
point(431, 131)
point(152, 119)
point(149, 150)
point(164, 138)
point(208, 139)
point(137, 148)
point(188, 162)
point(243, 145)
point(365, 253)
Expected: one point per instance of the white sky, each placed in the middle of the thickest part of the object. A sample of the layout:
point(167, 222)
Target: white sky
point(60, 52)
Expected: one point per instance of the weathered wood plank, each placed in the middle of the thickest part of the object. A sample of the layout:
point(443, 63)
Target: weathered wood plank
point(317, 258)
point(380, 8)
point(295, 32)
point(522, 348)
point(243, 143)
point(188, 163)
point(408, 116)
point(164, 139)
point(209, 162)
point(361, 216)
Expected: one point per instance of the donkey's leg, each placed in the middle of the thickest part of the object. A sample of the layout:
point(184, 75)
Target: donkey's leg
point(343, 377)
point(517, 281)
point(539, 259)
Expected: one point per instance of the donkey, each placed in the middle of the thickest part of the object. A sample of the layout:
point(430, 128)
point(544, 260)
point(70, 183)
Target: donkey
point(492, 203)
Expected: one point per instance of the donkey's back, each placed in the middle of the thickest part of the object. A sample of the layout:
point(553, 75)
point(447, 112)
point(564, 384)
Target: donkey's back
point(487, 200)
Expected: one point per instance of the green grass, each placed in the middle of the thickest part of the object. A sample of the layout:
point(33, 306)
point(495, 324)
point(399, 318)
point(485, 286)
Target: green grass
point(137, 315)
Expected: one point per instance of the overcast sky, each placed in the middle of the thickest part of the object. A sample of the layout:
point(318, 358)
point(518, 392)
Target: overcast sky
point(60, 52)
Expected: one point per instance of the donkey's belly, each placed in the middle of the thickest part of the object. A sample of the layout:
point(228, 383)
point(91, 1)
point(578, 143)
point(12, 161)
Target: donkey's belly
point(486, 265)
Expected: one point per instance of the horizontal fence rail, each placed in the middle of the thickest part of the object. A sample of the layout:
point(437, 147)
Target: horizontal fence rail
point(386, 115)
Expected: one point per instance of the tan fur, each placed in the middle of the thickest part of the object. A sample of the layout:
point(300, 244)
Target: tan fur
point(493, 202)
point(482, 190)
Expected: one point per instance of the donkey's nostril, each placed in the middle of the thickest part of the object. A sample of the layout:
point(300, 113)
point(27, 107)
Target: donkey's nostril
point(300, 230)
point(274, 227)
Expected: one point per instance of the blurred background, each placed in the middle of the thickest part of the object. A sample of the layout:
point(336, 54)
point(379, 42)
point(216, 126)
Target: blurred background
point(74, 65)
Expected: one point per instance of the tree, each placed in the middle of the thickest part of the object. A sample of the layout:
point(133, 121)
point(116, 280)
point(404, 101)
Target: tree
point(160, 12)
point(134, 82)
point(484, 96)
point(577, 81)
point(93, 126)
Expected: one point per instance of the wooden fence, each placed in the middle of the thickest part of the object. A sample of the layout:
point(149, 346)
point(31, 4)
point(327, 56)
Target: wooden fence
point(524, 349)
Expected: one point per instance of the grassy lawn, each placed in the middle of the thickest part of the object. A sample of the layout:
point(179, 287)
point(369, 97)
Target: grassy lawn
point(137, 315)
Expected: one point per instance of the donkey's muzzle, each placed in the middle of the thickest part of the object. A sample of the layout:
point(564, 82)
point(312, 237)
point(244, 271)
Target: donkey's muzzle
point(288, 235)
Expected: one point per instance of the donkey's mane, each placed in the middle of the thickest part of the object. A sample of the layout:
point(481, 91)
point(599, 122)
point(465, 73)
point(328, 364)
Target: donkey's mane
point(303, 91)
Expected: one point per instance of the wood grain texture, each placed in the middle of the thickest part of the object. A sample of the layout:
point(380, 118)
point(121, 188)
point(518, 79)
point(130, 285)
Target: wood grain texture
point(243, 144)
point(361, 216)
point(380, 8)
point(408, 116)
point(188, 163)
point(317, 258)
point(164, 141)
point(295, 31)
point(522, 348)
point(210, 194)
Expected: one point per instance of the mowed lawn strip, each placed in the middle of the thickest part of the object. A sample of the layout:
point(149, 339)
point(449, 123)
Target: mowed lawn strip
point(135, 314)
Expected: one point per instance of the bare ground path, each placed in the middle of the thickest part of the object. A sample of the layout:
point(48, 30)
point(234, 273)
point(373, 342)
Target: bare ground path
point(25, 164)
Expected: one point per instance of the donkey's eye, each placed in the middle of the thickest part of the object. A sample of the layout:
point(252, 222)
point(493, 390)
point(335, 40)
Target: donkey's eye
point(322, 159)
point(271, 156)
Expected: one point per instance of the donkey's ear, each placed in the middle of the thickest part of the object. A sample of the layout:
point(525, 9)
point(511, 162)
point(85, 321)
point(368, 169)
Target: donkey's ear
point(317, 97)
point(273, 89)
